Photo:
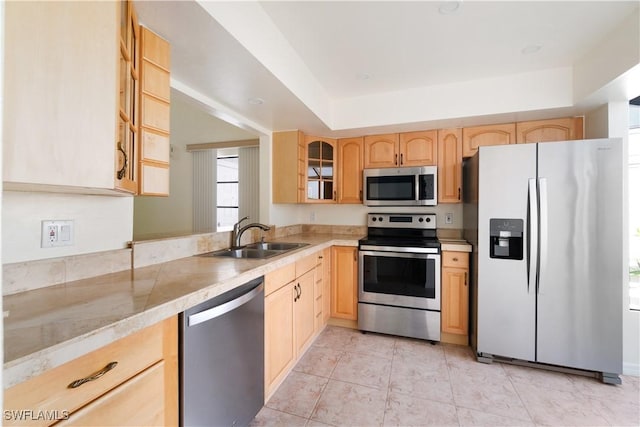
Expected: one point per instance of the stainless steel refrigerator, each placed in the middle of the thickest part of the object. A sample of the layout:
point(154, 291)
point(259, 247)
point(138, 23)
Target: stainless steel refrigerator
point(545, 222)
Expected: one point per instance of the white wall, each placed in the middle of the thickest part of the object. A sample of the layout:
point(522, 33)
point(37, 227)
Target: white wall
point(101, 223)
point(168, 215)
point(612, 120)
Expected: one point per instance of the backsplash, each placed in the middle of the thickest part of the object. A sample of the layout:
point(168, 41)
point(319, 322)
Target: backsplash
point(30, 275)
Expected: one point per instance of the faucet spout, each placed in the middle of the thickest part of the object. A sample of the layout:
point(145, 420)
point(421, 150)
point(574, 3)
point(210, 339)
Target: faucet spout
point(238, 231)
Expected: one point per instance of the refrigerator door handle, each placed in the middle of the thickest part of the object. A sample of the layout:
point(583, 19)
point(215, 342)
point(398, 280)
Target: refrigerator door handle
point(532, 235)
point(542, 189)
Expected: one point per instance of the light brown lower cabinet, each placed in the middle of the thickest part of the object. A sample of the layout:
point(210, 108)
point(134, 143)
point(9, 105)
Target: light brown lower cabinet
point(455, 297)
point(344, 284)
point(141, 389)
point(290, 317)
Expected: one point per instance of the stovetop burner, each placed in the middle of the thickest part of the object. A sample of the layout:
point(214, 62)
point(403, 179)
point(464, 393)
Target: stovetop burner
point(401, 230)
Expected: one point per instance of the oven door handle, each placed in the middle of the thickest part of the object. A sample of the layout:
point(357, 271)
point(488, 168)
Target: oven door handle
point(400, 254)
point(396, 249)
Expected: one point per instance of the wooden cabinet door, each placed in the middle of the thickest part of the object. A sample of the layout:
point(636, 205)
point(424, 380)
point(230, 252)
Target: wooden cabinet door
point(565, 129)
point(326, 285)
point(279, 339)
point(320, 170)
point(450, 165)
point(139, 401)
point(455, 293)
point(475, 137)
point(304, 310)
point(455, 301)
point(154, 114)
point(350, 170)
point(288, 174)
point(418, 148)
point(344, 287)
point(381, 151)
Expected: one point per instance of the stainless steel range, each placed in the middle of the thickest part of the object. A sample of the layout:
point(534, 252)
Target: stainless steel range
point(399, 276)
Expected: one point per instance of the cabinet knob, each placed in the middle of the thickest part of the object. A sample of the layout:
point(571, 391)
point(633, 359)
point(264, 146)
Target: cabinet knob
point(455, 259)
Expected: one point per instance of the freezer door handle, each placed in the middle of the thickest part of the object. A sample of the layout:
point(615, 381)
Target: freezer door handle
point(544, 220)
point(532, 235)
point(219, 310)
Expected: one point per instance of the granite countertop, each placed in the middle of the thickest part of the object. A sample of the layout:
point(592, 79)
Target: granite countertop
point(48, 327)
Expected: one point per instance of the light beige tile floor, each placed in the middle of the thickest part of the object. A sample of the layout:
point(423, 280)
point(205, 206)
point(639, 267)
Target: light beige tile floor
point(352, 379)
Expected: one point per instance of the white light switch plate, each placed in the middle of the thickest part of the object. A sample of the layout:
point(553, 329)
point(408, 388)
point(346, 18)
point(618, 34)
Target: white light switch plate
point(57, 233)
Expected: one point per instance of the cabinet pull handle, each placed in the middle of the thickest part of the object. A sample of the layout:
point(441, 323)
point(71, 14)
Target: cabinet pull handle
point(401, 158)
point(123, 170)
point(300, 290)
point(360, 195)
point(465, 278)
point(92, 377)
point(396, 159)
point(320, 257)
point(455, 259)
point(335, 195)
point(458, 193)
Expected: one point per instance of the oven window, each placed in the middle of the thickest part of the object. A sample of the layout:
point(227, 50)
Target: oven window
point(399, 276)
point(400, 187)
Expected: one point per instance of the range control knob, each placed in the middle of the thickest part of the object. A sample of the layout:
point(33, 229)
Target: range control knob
point(428, 219)
point(380, 218)
point(421, 219)
point(374, 219)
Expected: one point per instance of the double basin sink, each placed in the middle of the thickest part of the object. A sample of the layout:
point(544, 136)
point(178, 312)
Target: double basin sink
point(258, 250)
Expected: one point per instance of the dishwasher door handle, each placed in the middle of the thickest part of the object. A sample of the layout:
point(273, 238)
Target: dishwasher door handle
point(221, 309)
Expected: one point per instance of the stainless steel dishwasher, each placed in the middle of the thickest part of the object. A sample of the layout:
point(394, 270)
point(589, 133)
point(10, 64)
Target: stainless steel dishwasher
point(222, 358)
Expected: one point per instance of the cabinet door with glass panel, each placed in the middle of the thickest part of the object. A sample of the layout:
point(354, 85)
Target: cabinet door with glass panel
point(320, 169)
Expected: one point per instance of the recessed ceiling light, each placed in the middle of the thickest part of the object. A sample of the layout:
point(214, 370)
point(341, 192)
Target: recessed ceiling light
point(450, 6)
point(533, 48)
point(255, 101)
point(363, 76)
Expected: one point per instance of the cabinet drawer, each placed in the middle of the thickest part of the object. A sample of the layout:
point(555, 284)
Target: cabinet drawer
point(50, 392)
point(455, 259)
point(306, 264)
point(139, 401)
point(277, 279)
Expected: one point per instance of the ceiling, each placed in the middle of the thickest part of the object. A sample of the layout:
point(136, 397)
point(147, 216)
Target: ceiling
point(346, 50)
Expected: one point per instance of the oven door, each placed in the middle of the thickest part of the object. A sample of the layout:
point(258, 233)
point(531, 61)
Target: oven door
point(399, 279)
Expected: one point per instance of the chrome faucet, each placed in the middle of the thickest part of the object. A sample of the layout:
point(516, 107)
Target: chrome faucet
point(236, 234)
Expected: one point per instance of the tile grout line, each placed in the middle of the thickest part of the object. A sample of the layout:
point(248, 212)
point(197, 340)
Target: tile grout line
point(453, 397)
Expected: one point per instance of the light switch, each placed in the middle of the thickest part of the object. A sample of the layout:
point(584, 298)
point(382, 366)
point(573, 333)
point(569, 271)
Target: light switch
point(56, 233)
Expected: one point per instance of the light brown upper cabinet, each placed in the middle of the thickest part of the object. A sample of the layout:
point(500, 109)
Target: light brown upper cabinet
point(477, 136)
point(128, 95)
point(155, 92)
point(350, 170)
point(404, 149)
point(288, 160)
point(565, 129)
point(381, 151)
point(449, 165)
point(320, 169)
point(419, 148)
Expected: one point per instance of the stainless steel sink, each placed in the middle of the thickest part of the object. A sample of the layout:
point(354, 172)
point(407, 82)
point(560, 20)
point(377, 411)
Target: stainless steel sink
point(259, 250)
point(276, 246)
point(244, 253)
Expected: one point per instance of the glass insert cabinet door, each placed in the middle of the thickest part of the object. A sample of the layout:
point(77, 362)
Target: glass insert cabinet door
point(320, 167)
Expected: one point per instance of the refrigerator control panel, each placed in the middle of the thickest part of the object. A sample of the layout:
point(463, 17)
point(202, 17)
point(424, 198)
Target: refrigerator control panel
point(506, 238)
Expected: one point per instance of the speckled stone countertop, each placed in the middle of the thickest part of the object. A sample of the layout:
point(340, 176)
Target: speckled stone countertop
point(48, 327)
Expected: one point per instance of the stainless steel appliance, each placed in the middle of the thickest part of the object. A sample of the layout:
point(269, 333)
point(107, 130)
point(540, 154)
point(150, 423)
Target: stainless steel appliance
point(411, 186)
point(222, 358)
point(399, 276)
point(545, 222)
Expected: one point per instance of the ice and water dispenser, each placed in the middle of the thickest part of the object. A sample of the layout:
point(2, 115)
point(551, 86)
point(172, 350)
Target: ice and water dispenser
point(506, 238)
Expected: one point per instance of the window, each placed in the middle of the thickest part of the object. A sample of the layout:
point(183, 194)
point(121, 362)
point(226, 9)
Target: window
point(227, 192)
point(634, 205)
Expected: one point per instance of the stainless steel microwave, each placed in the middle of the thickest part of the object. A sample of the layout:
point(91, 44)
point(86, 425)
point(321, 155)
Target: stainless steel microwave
point(413, 186)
